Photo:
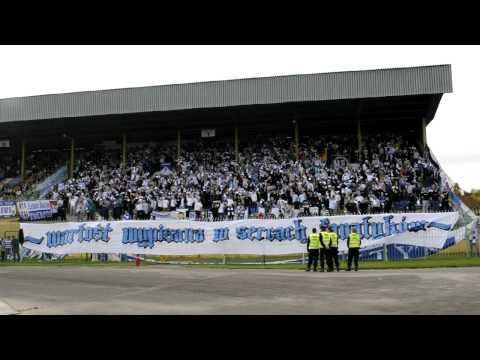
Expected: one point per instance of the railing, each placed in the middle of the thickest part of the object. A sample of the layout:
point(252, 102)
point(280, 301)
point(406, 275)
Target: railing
point(207, 216)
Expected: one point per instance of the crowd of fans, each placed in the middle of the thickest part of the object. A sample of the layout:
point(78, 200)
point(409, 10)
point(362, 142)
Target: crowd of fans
point(9, 164)
point(331, 177)
point(38, 166)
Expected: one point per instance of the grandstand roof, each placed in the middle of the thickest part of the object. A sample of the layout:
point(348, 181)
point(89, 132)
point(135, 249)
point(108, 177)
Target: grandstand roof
point(423, 80)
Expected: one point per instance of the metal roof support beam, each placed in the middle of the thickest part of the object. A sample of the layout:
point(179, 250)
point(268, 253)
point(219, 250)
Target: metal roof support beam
point(359, 138)
point(72, 157)
point(359, 129)
point(295, 130)
point(22, 161)
point(179, 134)
point(124, 150)
point(236, 143)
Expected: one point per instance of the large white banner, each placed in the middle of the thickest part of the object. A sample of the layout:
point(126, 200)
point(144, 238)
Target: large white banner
point(268, 237)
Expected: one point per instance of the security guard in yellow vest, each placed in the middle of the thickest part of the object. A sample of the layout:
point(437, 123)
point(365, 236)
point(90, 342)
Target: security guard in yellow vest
point(353, 242)
point(313, 246)
point(324, 252)
point(333, 248)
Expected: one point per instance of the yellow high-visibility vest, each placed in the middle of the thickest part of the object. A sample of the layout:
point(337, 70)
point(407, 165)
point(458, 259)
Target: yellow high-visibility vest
point(354, 240)
point(325, 239)
point(333, 240)
point(314, 241)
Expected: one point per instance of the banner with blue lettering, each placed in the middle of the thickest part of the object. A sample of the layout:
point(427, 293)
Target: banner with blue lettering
point(36, 210)
point(267, 237)
point(7, 209)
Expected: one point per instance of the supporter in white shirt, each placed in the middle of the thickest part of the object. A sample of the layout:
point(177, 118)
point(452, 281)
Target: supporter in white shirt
point(332, 205)
point(294, 197)
point(253, 196)
point(221, 211)
point(261, 211)
point(302, 198)
point(198, 205)
point(358, 199)
point(165, 204)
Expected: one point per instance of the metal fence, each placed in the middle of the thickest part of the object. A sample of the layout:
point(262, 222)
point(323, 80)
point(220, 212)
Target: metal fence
point(208, 216)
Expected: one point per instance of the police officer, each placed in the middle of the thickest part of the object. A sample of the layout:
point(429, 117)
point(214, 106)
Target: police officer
point(353, 242)
point(324, 253)
point(313, 244)
point(333, 248)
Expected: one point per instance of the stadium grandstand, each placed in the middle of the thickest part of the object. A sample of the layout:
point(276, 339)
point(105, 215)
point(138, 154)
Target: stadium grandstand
point(280, 171)
point(346, 142)
point(332, 144)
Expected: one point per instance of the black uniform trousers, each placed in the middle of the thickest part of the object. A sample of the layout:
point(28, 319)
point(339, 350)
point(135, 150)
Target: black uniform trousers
point(324, 256)
point(313, 258)
point(16, 253)
point(353, 254)
point(334, 257)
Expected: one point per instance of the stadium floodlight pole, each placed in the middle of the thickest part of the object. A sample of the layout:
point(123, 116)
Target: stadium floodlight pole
point(22, 164)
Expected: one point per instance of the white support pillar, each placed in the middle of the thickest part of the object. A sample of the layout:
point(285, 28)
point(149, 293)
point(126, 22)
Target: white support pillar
point(424, 132)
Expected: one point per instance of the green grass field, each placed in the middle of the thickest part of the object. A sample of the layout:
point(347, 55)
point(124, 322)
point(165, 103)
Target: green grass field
point(431, 262)
point(446, 262)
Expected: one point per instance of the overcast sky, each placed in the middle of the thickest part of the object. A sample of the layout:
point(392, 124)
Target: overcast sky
point(453, 135)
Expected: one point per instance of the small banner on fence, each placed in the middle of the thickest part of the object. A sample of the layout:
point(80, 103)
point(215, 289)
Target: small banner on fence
point(36, 210)
point(7, 209)
point(267, 237)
